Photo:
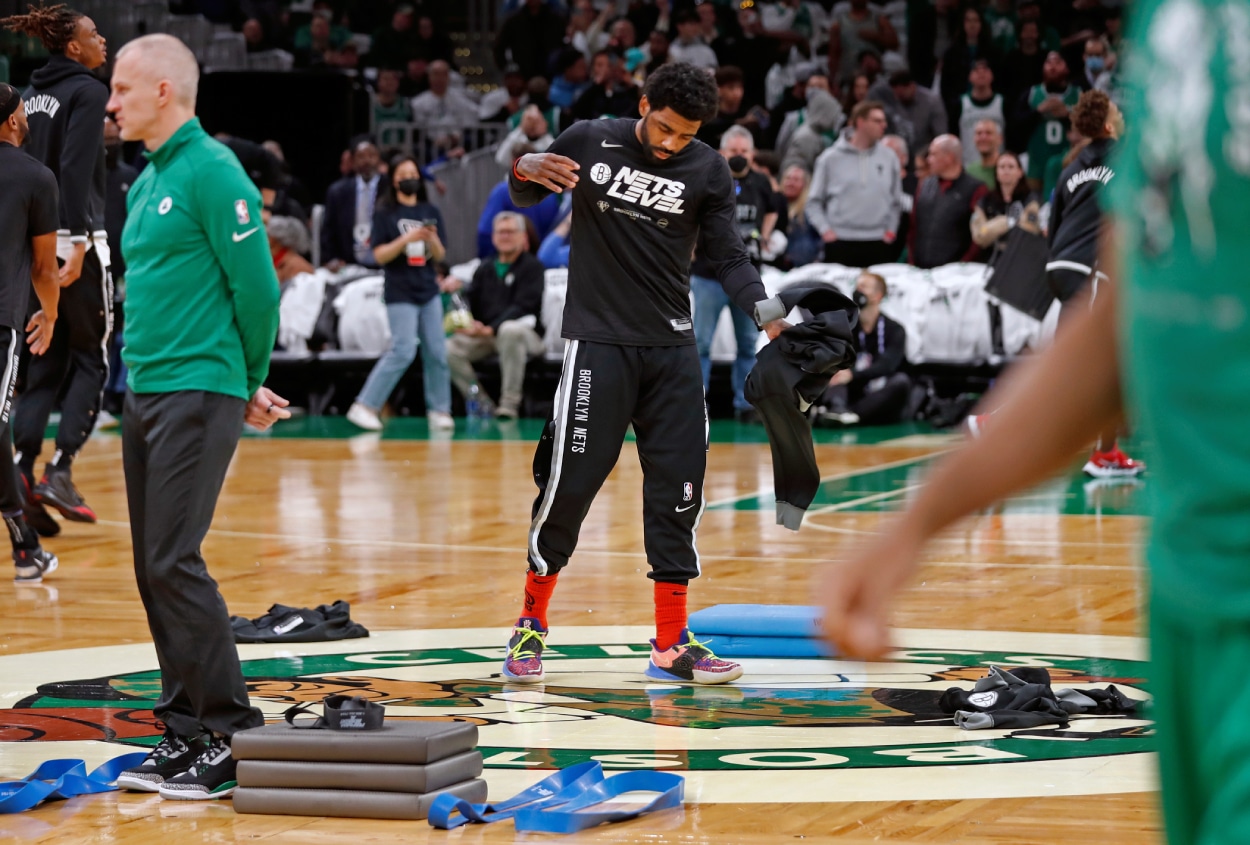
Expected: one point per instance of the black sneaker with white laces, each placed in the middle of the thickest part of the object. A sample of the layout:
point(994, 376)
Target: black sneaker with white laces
point(171, 756)
point(30, 565)
point(212, 775)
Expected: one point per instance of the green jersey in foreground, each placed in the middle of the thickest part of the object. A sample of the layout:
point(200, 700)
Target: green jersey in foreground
point(1182, 197)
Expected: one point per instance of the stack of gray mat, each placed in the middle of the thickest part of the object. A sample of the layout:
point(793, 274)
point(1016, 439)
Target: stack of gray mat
point(390, 773)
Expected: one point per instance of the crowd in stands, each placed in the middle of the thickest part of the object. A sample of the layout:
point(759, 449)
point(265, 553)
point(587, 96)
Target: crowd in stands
point(916, 132)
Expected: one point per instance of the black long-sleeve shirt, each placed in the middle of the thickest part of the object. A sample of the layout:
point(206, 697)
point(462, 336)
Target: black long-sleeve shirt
point(635, 226)
point(881, 349)
point(1075, 212)
point(65, 110)
point(519, 293)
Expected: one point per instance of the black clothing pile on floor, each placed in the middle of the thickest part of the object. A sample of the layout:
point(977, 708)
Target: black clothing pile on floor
point(1023, 698)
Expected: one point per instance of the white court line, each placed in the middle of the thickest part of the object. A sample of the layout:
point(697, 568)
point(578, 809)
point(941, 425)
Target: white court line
point(854, 473)
point(863, 500)
point(297, 539)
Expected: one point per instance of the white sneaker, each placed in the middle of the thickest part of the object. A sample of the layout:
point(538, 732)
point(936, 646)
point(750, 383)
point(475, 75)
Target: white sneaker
point(362, 417)
point(106, 420)
point(440, 421)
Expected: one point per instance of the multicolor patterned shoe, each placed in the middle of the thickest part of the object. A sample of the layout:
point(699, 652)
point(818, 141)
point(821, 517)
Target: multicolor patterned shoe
point(524, 663)
point(691, 661)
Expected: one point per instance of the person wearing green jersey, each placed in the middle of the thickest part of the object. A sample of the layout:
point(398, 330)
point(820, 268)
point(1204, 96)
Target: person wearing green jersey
point(1047, 106)
point(1182, 242)
point(201, 318)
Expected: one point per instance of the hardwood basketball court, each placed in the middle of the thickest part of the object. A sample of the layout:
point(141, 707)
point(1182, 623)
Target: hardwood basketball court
point(425, 538)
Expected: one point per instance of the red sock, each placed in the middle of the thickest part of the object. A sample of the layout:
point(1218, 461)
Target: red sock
point(670, 614)
point(538, 590)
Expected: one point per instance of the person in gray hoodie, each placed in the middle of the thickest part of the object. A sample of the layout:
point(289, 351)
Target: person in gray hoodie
point(823, 117)
point(856, 192)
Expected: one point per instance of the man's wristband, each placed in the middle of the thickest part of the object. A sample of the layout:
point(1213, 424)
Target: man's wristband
point(517, 173)
point(767, 310)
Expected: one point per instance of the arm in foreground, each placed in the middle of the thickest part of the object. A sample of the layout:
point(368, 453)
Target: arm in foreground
point(1049, 408)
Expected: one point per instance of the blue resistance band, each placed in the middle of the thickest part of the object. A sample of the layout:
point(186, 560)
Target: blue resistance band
point(63, 779)
point(561, 786)
point(579, 813)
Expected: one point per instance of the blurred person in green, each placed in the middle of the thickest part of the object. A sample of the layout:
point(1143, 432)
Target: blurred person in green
point(1182, 240)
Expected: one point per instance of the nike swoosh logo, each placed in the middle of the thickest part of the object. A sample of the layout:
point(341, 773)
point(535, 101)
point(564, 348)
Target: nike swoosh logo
point(606, 145)
point(238, 236)
point(686, 508)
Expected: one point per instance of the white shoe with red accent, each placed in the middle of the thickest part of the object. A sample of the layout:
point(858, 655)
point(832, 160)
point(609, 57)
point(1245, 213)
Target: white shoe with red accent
point(975, 425)
point(1113, 464)
point(692, 662)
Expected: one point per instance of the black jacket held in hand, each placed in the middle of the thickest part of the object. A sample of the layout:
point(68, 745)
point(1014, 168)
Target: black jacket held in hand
point(790, 374)
point(635, 225)
point(65, 108)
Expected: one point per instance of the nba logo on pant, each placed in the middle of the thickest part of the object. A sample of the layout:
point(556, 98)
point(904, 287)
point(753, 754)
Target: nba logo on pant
point(687, 491)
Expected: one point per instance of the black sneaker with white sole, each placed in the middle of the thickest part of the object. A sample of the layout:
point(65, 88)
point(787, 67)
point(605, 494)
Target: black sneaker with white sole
point(57, 489)
point(212, 775)
point(30, 565)
point(171, 756)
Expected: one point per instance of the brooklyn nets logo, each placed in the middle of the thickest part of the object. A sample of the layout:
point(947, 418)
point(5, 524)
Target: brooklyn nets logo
point(791, 730)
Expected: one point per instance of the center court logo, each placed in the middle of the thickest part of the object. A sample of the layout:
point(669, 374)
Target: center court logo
point(787, 727)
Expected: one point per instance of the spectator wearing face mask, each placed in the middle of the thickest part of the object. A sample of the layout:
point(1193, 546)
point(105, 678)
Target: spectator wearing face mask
point(876, 390)
point(407, 240)
point(756, 220)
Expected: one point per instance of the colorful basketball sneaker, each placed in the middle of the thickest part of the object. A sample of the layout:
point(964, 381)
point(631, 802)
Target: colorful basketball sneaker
point(691, 661)
point(1113, 464)
point(524, 663)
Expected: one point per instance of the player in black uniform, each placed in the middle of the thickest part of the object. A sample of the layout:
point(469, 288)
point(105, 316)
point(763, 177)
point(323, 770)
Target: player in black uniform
point(28, 223)
point(646, 193)
point(1076, 226)
point(65, 106)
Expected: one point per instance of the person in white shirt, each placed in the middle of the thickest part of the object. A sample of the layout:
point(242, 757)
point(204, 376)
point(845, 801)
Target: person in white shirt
point(442, 110)
point(689, 45)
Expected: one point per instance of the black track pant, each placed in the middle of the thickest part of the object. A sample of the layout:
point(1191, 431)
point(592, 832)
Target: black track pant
point(603, 389)
point(11, 348)
point(77, 362)
point(176, 448)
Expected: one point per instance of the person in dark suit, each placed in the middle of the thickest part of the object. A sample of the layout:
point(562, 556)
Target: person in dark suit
point(349, 211)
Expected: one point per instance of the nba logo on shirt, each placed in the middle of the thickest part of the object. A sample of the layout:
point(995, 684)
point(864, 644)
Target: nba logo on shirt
point(240, 211)
point(687, 491)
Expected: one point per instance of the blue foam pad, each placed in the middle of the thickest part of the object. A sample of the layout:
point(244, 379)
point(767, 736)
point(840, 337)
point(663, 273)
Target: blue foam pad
point(727, 646)
point(757, 620)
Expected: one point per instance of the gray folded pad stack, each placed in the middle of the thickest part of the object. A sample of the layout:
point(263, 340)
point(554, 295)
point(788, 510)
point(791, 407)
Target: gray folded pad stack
point(390, 773)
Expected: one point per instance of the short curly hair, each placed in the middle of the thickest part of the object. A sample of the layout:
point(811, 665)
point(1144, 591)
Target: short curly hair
point(688, 90)
point(1089, 115)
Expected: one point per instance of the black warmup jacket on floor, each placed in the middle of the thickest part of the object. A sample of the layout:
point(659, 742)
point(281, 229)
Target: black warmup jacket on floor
point(631, 356)
point(65, 108)
point(1076, 217)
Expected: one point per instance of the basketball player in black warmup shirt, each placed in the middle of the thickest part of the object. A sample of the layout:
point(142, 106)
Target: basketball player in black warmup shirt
point(28, 224)
point(646, 193)
point(65, 105)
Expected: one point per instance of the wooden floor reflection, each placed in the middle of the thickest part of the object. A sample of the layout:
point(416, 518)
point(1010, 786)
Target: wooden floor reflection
point(431, 535)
